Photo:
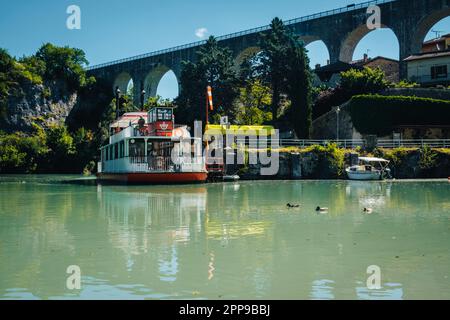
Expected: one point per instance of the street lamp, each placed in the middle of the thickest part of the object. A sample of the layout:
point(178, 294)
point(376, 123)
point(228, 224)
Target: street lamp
point(142, 99)
point(117, 102)
point(338, 110)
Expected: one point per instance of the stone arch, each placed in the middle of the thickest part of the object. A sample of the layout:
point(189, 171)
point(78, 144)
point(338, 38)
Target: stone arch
point(314, 45)
point(153, 79)
point(308, 39)
point(350, 42)
point(425, 25)
point(123, 81)
point(245, 54)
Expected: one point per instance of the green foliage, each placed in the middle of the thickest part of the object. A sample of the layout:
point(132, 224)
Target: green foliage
point(428, 158)
point(158, 101)
point(214, 67)
point(51, 150)
point(10, 157)
point(270, 64)
point(367, 80)
point(253, 104)
point(406, 84)
point(396, 156)
point(63, 63)
point(331, 160)
point(375, 114)
point(21, 153)
point(299, 87)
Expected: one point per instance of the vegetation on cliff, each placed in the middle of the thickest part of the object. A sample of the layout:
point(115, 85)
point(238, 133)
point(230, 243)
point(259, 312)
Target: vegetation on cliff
point(47, 143)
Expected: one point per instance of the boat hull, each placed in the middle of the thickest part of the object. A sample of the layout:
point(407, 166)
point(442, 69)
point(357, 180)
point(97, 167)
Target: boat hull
point(364, 175)
point(154, 178)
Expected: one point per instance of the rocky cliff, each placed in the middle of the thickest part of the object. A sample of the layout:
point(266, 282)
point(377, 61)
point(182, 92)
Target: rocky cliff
point(48, 104)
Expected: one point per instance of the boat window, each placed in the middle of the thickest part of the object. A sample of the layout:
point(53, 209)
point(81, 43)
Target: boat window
point(116, 151)
point(137, 148)
point(121, 149)
point(111, 152)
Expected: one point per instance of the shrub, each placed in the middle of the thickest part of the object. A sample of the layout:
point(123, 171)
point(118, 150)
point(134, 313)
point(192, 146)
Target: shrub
point(375, 114)
point(367, 80)
point(331, 160)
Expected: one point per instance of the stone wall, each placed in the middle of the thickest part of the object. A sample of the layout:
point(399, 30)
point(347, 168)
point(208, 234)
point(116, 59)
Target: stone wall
point(405, 164)
point(325, 127)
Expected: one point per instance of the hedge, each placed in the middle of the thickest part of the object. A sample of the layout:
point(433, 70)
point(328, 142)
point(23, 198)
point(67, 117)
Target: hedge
point(376, 114)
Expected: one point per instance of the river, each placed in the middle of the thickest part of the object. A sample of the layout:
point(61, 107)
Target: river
point(224, 241)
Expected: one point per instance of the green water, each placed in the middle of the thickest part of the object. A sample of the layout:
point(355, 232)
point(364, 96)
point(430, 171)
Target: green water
point(224, 241)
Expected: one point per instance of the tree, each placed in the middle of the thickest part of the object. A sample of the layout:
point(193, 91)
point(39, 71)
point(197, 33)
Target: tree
point(214, 67)
point(299, 87)
point(158, 101)
point(253, 103)
point(64, 63)
point(271, 64)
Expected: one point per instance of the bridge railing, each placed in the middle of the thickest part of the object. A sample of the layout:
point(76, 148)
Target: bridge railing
point(246, 32)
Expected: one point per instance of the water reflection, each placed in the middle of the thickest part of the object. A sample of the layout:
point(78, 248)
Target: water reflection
point(231, 241)
point(389, 291)
point(322, 290)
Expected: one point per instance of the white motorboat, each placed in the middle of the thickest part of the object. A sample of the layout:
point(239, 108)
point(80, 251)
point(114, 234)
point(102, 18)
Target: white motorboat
point(369, 169)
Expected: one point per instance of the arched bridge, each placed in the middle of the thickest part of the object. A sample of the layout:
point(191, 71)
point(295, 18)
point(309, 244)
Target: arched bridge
point(340, 29)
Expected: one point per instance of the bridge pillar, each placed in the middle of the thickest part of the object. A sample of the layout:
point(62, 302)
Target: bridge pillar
point(334, 48)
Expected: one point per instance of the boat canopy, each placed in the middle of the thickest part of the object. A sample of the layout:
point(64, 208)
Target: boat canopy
point(369, 159)
point(240, 130)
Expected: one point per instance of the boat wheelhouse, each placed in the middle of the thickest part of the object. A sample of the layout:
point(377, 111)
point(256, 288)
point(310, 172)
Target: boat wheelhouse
point(150, 148)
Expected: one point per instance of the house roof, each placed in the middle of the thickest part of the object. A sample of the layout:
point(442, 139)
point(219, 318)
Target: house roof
point(436, 40)
point(335, 67)
point(428, 55)
point(363, 62)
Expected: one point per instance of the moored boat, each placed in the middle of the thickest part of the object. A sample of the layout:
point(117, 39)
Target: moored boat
point(369, 169)
point(147, 148)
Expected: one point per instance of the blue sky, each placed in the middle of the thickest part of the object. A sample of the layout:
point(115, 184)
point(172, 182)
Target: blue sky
point(113, 29)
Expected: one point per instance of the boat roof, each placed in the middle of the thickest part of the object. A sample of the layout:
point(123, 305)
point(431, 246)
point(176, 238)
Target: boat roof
point(371, 159)
point(127, 118)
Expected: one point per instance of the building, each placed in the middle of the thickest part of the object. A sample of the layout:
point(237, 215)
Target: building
point(330, 74)
point(390, 67)
point(439, 44)
point(429, 68)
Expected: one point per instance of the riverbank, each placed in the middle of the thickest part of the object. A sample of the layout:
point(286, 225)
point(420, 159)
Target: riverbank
point(329, 162)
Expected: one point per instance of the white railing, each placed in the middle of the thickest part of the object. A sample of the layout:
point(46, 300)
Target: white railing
point(144, 164)
point(350, 143)
point(413, 143)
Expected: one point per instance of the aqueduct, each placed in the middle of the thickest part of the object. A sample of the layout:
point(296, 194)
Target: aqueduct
point(340, 29)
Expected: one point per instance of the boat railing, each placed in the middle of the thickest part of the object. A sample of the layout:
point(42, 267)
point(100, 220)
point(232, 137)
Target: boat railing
point(138, 164)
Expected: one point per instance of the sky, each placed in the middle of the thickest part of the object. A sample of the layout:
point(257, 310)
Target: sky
point(113, 29)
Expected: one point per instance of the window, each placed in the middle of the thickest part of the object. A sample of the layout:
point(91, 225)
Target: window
point(116, 151)
point(111, 152)
point(439, 72)
point(121, 149)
